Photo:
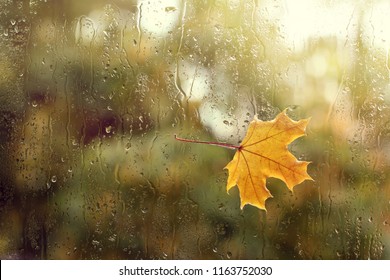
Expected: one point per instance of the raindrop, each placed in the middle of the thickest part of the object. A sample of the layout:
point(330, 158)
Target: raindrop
point(112, 238)
point(108, 129)
point(170, 9)
point(54, 178)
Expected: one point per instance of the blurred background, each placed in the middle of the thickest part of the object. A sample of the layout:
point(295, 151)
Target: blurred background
point(93, 91)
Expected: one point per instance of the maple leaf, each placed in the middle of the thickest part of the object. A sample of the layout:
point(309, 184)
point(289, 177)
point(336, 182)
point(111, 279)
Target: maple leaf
point(264, 153)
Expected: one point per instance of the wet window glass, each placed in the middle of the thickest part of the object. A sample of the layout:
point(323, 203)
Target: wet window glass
point(92, 94)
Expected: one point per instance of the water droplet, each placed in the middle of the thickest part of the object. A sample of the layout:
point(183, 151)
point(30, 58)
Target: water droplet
point(34, 103)
point(13, 22)
point(108, 129)
point(54, 178)
point(170, 9)
point(112, 238)
point(229, 255)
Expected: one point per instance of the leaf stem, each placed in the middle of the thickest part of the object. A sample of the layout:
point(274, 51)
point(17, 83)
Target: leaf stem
point(219, 144)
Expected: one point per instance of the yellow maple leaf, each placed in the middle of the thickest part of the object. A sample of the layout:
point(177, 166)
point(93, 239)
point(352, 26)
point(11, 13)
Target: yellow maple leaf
point(264, 153)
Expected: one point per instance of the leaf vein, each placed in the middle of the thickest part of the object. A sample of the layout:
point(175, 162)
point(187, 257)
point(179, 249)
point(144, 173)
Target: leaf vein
point(274, 161)
point(250, 175)
point(272, 136)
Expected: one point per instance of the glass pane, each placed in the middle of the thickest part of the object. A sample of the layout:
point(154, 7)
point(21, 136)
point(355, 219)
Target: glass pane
point(92, 94)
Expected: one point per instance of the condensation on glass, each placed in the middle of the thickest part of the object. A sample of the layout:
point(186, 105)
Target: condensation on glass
point(93, 92)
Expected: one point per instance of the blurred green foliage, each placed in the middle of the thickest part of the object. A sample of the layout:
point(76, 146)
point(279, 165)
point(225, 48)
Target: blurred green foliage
point(92, 93)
